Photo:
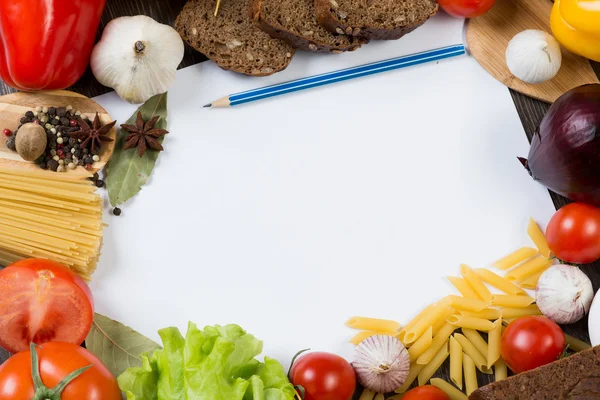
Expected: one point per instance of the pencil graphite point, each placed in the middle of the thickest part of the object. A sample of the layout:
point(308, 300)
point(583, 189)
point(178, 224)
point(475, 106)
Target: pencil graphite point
point(208, 105)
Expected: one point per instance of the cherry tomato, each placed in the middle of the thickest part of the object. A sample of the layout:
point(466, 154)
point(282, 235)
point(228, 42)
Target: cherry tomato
point(530, 342)
point(573, 233)
point(56, 361)
point(324, 376)
point(42, 301)
point(466, 8)
point(426, 392)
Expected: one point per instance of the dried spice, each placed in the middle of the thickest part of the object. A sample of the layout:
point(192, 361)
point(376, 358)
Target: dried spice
point(143, 134)
point(93, 135)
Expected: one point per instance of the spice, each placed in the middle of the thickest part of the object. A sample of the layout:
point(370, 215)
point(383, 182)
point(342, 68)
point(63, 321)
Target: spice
point(143, 135)
point(7, 132)
point(116, 211)
point(94, 135)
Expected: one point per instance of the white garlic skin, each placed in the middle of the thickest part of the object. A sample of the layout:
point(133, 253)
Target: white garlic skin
point(533, 56)
point(381, 363)
point(137, 75)
point(564, 294)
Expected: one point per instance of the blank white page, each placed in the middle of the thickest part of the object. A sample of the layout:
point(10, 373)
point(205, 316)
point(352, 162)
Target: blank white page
point(288, 216)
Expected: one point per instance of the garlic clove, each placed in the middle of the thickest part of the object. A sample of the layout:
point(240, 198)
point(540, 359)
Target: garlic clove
point(533, 56)
point(138, 57)
point(564, 294)
point(381, 363)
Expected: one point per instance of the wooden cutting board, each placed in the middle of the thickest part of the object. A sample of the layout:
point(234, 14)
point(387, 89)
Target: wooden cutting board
point(488, 36)
point(13, 106)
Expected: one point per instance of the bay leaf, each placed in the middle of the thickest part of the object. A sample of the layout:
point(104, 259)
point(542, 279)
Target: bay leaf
point(126, 171)
point(118, 346)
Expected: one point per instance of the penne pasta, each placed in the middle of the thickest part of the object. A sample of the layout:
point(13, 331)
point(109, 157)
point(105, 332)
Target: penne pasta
point(438, 341)
point(373, 324)
point(476, 284)
point(421, 344)
point(531, 282)
point(470, 374)
point(367, 395)
point(576, 344)
point(462, 321)
point(435, 364)
point(475, 338)
point(463, 287)
point(509, 313)
point(528, 269)
point(499, 282)
point(379, 396)
point(426, 321)
point(398, 396)
point(465, 303)
point(514, 258)
point(494, 336)
point(456, 361)
point(486, 313)
point(500, 372)
point(471, 351)
point(508, 300)
point(447, 388)
point(413, 372)
point(412, 323)
point(442, 321)
point(538, 238)
point(360, 336)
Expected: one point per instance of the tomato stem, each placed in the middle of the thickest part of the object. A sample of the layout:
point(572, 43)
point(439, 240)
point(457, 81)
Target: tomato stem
point(42, 392)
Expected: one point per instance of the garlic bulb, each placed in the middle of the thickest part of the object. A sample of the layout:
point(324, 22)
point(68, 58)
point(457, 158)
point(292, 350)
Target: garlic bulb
point(138, 57)
point(564, 294)
point(533, 56)
point(381, 363)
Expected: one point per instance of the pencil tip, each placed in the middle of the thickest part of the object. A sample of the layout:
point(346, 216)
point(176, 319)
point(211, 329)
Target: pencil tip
point(208, 105)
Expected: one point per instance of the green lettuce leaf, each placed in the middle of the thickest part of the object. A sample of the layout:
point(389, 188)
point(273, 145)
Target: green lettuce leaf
point(217, 363)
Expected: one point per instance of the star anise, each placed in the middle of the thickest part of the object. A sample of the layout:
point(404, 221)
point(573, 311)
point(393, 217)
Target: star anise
point(143, 135)
point(96, 134)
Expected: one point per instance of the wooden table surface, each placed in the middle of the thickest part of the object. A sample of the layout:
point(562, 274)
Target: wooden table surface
point(530, 111)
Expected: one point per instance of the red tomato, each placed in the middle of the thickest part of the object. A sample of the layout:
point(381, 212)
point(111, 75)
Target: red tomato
point(426, 392)
point(56, 361)
point(530, 342)
point(324, 376)
point(466, 8)
point(573, 233)
point(42, 301)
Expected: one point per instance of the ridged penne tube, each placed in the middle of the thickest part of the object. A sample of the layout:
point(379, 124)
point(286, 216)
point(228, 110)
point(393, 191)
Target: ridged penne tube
point(442, 321)
point(538, 238)
point(447, 388)
point(509, 313)
point(367, 395)
point(426, 321)
point(412, 323)
point(470, 374)
point(494, 336)
point(466, 303)
point(462, 321)
point(360, 336)
point(435, 364)
point(469, 349)
point(413, 372)
point(379, 396)
point(514, 258)
point(499, 282)
point(475, 338)
point(531, 282)
point(508, 300)
point(439, 340)
point(531, 267)
point(373, 324)
point(421, 344)
point(475, 282)
point(500, 372)
point(463, 287)
point(456, 361)
point(576, 344)
point(487, 313)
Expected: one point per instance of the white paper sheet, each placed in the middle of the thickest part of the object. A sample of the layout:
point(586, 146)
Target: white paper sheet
point(288, 216)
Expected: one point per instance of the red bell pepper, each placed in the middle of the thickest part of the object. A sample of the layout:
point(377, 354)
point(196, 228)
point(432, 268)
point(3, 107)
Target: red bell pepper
point(46, 44)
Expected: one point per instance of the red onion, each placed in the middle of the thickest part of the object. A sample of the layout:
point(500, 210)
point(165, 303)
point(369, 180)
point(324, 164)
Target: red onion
point(565, 151)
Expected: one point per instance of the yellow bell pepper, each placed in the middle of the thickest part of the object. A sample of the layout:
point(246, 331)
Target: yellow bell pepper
point(580, 34)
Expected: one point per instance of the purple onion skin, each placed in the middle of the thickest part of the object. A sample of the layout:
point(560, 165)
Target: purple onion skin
point(565, 151)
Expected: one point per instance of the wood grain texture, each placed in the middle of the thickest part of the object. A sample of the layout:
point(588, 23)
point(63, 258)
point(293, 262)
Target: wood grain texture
point(14, 105)
point(530, 111)
point(488, 37)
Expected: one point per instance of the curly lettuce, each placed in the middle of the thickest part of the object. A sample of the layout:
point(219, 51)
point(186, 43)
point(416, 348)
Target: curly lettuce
point(217, 363)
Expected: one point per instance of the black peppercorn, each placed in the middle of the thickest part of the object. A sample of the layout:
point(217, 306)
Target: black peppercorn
point(23, 120)
point(99, 183)
point(65, 121)
point(10, 143)
point(53, 165)
point(52, 111)
point(88, 160)
point(80, 162)
point(42, 165)
point(29, 114)
point(73, 142)
point(116, 211)
point(61, 111)
point(54, 122)
point(85, 151)
point(77, 153)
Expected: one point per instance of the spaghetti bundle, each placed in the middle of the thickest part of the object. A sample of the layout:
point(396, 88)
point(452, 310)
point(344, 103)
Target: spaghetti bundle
point(50, 215)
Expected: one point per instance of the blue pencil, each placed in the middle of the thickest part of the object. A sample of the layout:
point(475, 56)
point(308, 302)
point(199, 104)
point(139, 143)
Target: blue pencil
point(338, 76)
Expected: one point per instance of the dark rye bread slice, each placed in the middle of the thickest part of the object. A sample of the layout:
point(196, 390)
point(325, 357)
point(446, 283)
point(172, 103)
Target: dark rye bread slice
point(374, 19)
point(232, 39)
point(576, 377)
point(296, 23)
